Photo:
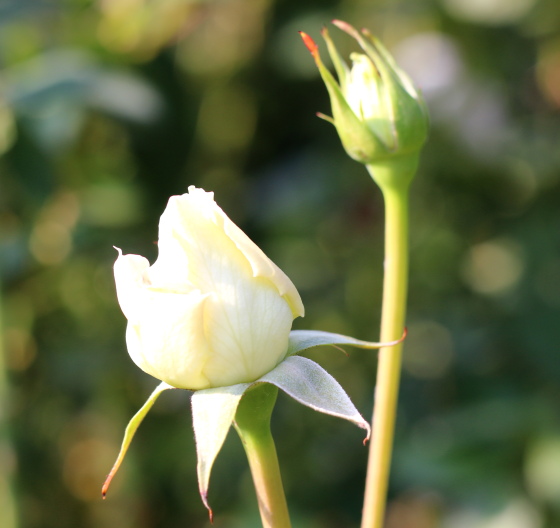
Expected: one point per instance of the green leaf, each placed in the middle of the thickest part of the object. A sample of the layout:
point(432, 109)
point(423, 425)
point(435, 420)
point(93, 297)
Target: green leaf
point(301, 340)
point(213, 411)
point(131, 430)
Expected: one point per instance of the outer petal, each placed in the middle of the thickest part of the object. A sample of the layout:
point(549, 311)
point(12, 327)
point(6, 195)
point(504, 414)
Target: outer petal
point(262, 266)
point(165, 334)
point(197, 237)
point(194, 250)
point(131, 280)
point(248, 333)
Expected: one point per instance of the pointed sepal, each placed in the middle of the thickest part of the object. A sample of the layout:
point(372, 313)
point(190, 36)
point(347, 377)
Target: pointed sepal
point(358, 140)
point(131, 430)
point(301, 340)
point(213, 411)
point(304, 380)
point(311, 385)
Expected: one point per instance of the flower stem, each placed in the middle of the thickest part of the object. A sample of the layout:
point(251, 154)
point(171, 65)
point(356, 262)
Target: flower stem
point(8, 509)
point(394, 180)
point(252, 422)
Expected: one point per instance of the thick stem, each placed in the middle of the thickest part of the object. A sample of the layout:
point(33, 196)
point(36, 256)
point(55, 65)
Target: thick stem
point(394, 183)
point(252, 422)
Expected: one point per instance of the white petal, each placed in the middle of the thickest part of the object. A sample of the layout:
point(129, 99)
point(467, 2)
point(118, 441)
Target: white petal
point(131, 281)
point(167, 338)
point(247, 329)
point(197, 239)
point(165, 334)
point(262, 266)
point(193, 248)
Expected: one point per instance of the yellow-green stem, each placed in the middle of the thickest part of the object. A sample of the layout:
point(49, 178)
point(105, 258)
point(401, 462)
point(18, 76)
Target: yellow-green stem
point(394, 180)
point(252, 422)
point(8, 511)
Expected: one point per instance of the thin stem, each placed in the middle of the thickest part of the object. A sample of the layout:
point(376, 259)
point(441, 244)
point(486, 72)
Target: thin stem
point(8, 510)
point(394, 182)
point(252, 422)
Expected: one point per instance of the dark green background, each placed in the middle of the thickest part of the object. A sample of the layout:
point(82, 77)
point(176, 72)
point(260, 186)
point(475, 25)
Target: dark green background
point(109, 107)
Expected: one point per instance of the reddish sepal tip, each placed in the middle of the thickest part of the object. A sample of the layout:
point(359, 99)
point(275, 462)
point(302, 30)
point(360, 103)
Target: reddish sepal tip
point(340, 23)
point(309, 43)
point(106, 484)
point(344, 26)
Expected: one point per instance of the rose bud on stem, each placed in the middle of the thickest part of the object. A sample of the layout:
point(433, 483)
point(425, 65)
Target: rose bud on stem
point(382, 122)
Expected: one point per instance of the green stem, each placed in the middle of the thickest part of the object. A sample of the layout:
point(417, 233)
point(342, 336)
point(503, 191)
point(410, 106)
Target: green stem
point(394, 180)
point(252, 422)
point(8, 511)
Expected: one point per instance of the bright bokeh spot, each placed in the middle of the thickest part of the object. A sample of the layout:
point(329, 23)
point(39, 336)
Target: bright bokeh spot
point(493, 267)
point(489, 12)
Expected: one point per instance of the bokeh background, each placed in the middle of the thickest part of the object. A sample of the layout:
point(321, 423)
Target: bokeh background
point(108, 107)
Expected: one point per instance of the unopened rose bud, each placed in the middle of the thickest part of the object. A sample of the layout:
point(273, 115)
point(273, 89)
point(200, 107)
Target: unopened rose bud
point(213, 310)
point(377, 111)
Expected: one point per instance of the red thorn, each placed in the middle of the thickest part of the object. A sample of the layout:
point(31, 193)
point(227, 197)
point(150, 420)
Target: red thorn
point(366, 440)
point(211, 515)
point(310, 44)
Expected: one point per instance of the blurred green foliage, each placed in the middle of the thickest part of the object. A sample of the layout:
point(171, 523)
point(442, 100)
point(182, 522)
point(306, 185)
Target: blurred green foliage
point(108, 107)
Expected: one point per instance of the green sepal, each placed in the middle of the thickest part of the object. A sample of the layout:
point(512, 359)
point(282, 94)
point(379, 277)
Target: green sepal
point(302, 379)
point(339, 64)
point(213, 411)
point(131, 430)
point(358, 140)
point(301, 340)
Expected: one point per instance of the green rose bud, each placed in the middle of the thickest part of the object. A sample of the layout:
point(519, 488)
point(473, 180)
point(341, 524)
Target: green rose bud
point(377, 111)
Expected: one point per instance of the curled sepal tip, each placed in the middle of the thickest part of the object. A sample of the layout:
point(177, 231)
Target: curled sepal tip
point(130, 431)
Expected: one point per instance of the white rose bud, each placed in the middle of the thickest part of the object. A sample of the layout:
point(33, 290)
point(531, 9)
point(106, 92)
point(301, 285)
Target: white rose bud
point(213, 310)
